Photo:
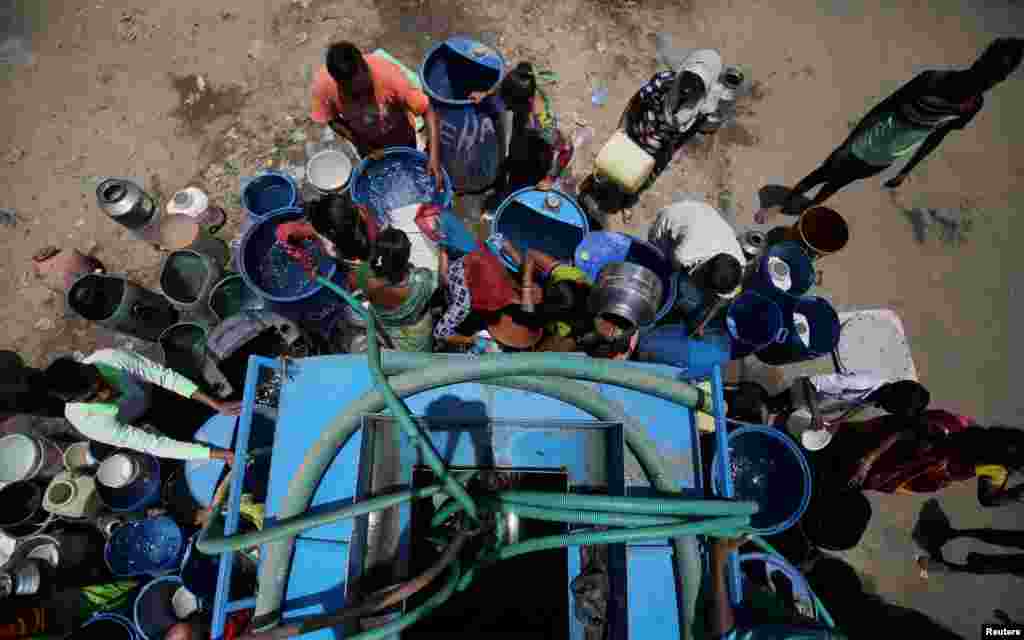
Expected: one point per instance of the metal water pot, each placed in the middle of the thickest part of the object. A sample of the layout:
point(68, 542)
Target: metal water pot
point(126, 203)
point(629, 291)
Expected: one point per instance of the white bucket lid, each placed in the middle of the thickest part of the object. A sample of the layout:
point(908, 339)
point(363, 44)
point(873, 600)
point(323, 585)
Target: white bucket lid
point(117, 471)
point(329, 170)
point(799, 424)
point(20, 457)
point(815, 439)
point(184, 603)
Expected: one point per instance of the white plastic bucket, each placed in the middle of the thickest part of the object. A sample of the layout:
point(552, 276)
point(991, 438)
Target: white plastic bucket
point(24, 457)
point(117, 471)
point(800, 425)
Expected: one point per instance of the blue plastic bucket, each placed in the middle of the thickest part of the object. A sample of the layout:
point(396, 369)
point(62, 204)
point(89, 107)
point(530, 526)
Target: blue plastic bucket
point(801, 270)
point(397, 177)
point(268, 271)
point(601, 248)
point(768, 468)
point(108, 626)
point(547, 221)
point(150, 546)
point(672, 345)
point(472, 144)
point(153, 611)
point(824, 333)
point(754, 322)
point(268, 192)
point(141, 492)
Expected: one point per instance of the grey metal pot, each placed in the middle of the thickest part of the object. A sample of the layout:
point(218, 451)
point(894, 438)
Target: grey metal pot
point(126, 203)
point(629, 291)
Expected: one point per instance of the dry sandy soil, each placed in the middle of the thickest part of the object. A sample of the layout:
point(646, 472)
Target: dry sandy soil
point(112, 89)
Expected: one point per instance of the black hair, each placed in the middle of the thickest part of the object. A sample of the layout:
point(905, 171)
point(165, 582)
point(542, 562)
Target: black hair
point(335, 218)
point(905, 398)
point(1003, 446)
point(71, 381)
point(390, 254)
point(723, 273)
point(344, 62)
point(999, 60)
point(518, 88)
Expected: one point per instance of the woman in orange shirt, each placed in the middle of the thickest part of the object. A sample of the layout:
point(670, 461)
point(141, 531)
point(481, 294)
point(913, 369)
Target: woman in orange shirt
point(368, 100)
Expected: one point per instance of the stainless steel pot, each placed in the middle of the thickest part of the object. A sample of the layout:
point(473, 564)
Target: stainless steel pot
point(126, 203)
point(629, 291)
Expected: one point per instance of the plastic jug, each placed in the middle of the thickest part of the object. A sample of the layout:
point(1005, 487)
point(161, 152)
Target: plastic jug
point(624, 162)
point(194, 203)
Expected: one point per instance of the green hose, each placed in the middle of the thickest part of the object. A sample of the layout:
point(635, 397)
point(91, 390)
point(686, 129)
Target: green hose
point(303, 485)
point(712, 526)
point(686, 557)
point(446, 511)
point(301, 488)
point(601, 518)
point(210, 544)
point(400, 411)
point(495, 369)
point(613, 372)
point(658, 506)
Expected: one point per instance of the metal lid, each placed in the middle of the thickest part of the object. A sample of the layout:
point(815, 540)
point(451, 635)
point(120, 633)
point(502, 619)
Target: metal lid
point(20, 457)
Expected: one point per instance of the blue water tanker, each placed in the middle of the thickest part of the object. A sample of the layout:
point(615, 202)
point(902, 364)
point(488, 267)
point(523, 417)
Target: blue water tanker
point(380, 461)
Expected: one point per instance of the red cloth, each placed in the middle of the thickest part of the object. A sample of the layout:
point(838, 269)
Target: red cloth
point(237, 624)
point(428, 219)
point(290, 237)
point(490, 286)
point(919, 468)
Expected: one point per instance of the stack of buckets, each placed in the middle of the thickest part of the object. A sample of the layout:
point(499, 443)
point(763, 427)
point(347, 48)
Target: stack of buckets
point(781, 324)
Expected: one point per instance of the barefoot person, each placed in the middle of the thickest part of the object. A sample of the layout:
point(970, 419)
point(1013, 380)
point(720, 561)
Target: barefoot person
point(912, 122)
point(109, 390)
point(368, 100)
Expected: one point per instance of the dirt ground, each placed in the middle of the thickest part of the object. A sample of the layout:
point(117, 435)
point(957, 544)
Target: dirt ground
point(203, 92)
